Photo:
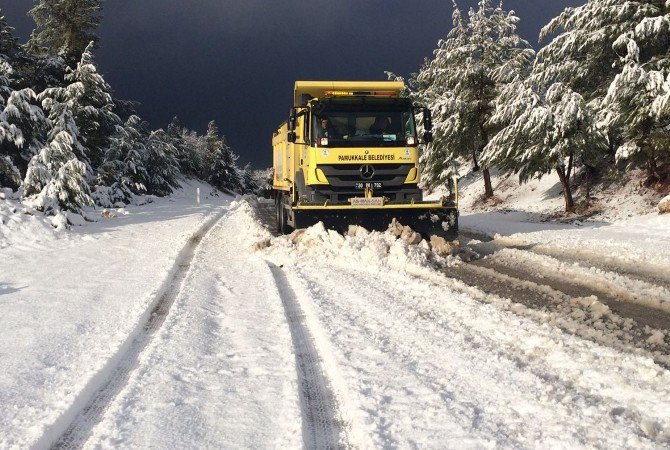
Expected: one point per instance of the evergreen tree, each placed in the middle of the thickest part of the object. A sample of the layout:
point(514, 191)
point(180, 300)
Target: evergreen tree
point(21, 125)
point(92, 106)
point(221, 170)
point(581, 54)
point(584, 54)
point(550, 131)
point(55, 178)
point(189, 161)
point(123, 173)
point(9, 135)
point(197, 145)
point(65, 28)
point(88, 98)
point(9, 44)
point(637, 99)
point(161, 164)
point(462, 82)
point(249, 184)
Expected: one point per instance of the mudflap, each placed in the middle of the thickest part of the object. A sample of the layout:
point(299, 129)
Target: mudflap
point(441, 222)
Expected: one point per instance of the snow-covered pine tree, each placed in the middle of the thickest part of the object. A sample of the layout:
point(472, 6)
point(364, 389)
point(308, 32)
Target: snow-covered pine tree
point(9, 135)
point(189, 160)
point(461, 83)
point(21, 125)
point(56, 178)
point(582, 53)
point(9, 44)
point(161, 164)
point(92, 106)
point(123, 173)
point(549, 131)
point(198, 145)
point(638, 99)
point(249, 185)
point(221, 170)
point(64, 28)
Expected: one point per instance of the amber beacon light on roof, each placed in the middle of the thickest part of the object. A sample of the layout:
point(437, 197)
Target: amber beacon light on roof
point(349, 155)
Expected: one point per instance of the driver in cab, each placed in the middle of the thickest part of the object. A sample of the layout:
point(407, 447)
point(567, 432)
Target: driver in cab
point(326, 129)
point(380, 126)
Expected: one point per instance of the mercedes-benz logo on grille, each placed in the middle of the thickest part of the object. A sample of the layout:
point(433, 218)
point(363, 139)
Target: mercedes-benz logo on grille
point(367, 171)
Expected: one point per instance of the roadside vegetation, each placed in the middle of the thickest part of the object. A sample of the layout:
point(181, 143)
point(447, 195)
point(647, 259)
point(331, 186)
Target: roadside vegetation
point(66, 141)
point(591, 106)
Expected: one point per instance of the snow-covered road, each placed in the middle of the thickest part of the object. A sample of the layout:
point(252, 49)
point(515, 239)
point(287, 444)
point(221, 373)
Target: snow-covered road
point(362, 341)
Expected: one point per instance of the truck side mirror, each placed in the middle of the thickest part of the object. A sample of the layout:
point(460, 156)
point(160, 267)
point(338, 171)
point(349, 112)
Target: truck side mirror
point(292, 119)
point(427, 120)
point(291, 137)
point(427, 137)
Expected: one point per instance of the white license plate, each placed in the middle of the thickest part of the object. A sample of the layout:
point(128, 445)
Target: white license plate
point(367, 201)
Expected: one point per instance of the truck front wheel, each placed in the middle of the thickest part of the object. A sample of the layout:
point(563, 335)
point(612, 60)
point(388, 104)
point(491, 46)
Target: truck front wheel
point(282, 227)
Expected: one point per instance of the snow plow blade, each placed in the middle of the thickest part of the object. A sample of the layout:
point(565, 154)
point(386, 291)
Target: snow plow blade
point(426, 219)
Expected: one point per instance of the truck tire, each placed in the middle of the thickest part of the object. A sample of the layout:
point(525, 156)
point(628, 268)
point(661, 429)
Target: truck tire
point(278, 213)
point(282, 226)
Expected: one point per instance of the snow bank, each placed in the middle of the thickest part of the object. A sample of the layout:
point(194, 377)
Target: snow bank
point(398, 248)
point(543, 199)
point(359, 247)
point(71, 302)
point(21, 224)
point(641, 240)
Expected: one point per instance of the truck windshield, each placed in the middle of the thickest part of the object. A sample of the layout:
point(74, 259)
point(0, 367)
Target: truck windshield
point(363, 123)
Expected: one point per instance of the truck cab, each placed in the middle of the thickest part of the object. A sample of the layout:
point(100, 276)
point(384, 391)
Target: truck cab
point(349, 154)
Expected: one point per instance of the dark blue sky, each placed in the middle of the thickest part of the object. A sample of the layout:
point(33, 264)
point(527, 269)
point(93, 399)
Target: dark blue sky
point(236, 61)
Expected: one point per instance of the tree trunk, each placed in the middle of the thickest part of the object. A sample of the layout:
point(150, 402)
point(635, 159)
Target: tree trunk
point(590, 176)
point(488, 188)
point(653, 174)
point(474, 160)
point(567, 192)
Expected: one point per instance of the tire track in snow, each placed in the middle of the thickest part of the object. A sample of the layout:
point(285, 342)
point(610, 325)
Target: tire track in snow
point(562, 302)
point(119, 368)
point(542, 291)
point(419, 347)
point(323, 426)
point(635, 270)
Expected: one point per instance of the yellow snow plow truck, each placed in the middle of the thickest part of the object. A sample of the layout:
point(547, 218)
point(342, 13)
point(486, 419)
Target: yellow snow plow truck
point(348, 155)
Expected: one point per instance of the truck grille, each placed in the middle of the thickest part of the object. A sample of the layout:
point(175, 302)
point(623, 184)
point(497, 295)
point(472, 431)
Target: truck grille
point(346, 175)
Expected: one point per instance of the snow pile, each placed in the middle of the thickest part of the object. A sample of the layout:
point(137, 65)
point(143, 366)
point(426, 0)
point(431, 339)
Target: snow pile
point(358, 247)
point(245, 211)
point(19, 223)
point(664, 205)
point(398, 248)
